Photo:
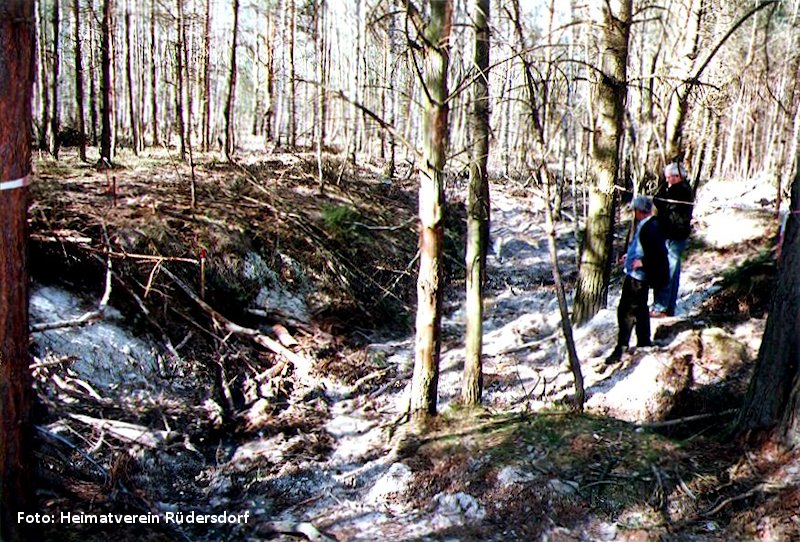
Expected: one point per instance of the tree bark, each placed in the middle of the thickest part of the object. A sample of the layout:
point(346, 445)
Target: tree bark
point(43, 88)
point(591, 292)
point(17, 30)
point(188, 108)
point(206, 136)
point(180, 113)
point(319, 46)
point(679, 97)
point(105, 82)
point(269, 114)
point(129, 79)
point(292, 78)
point(55, 121)
point(478, 209)
point(773, 397)
point(153, 75)
point(425, 380)
point(79, 91)
point(229, 103)
point(92, 77)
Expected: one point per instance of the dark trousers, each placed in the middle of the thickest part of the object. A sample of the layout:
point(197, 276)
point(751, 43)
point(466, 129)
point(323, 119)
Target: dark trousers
point(633, 309)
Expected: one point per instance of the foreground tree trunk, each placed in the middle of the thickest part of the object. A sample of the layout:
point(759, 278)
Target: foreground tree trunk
point(591, 292)
point(16, 395)
point(478, 209)
point(773, 398)
point(425, 380)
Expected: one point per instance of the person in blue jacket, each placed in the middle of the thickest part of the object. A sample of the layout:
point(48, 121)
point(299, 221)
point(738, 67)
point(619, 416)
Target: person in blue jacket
point(645, 266)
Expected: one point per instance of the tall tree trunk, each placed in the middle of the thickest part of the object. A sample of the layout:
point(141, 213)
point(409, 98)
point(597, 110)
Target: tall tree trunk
point(592, 288)
point(393, 103)
point(425, 380)
point(153, 75)
point(679, 97)
point(105, 82)
point(188, 109)
point(55, 127)
point(540, 119)
point(43, 88)
point(79, 115)
point(17, 30)
point(255, 125)
point(93, 75)
point(180, 113)
point(478, 209)
point(292, 77)
point(773, 398)
point(129, 78)
point(269, 114)
point(229, 104)
point(355, 121)
point(206, 136)
point(321, 88)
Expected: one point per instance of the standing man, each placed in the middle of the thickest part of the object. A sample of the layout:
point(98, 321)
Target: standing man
point(645, 266)
point(674, 203)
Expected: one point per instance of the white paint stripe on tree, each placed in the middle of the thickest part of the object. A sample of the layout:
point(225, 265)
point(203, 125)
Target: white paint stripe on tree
point(14, 184)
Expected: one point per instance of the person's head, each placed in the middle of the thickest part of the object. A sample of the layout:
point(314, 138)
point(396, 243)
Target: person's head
point(674, 173)
point(642, 207)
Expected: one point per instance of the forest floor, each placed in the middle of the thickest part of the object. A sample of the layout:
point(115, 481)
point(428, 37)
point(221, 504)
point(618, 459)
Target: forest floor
point(255, 351)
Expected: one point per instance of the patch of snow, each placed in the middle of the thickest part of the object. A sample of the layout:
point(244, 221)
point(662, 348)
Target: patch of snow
point(456, 509)
point(563, 487)
point(394, 481)
point(356, 432)
point(511, 475)
point(106, 353)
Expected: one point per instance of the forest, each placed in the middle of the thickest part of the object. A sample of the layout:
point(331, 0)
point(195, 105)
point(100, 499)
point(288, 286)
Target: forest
point(350, 270)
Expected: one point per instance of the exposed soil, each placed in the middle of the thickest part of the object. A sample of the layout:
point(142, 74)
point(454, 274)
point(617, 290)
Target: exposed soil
point(220, 422)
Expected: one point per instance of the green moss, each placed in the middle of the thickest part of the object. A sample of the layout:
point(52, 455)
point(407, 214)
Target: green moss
point(340, 223)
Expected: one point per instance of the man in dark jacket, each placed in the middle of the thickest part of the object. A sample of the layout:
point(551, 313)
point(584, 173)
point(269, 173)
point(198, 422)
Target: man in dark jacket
point(645, 266)
point(674, 203)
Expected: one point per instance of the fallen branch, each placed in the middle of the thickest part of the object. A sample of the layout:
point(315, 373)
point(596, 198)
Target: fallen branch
point(530, 344)
point(63, 440)
point(760, 488)
point(60, 361)
point(687, 419)
point(83, 320)
point(128, 432)
point(61, 236)
point(301, 364)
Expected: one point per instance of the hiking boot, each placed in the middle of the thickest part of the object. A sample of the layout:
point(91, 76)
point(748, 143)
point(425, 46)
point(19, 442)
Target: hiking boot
point(615, 356)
